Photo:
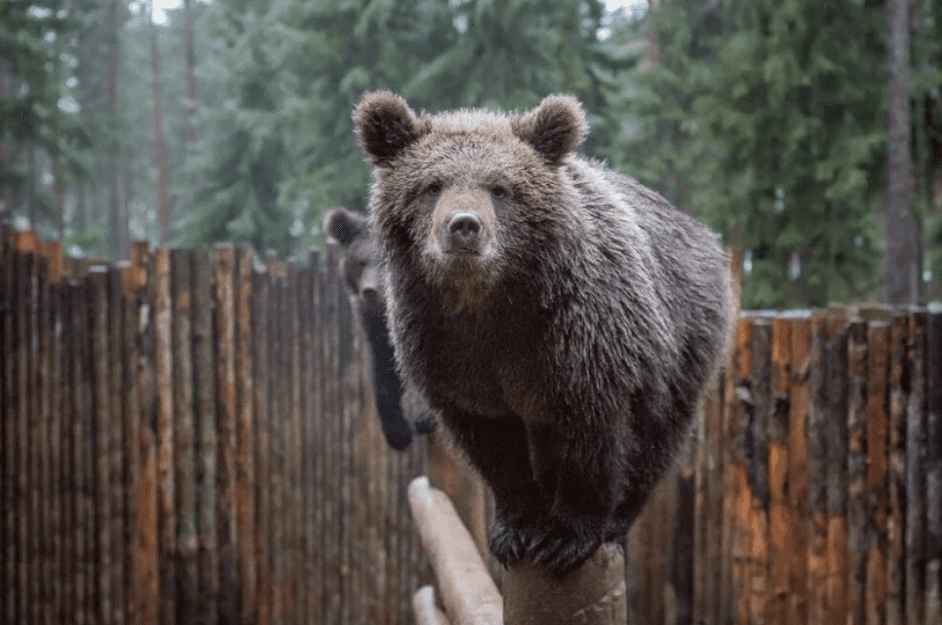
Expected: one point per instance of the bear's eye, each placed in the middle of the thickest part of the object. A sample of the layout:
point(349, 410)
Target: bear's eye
point(432, 189)
point(500, 193)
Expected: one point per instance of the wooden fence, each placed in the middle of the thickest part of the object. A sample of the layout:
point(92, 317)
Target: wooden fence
point(812, 491)
point(192, 438)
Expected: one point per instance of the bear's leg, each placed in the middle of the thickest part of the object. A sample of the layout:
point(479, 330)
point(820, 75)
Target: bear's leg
point(497, 447)
point(583, 482)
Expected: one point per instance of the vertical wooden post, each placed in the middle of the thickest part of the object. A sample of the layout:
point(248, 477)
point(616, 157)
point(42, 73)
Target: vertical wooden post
point(896, 561)
point(261, 406)
point(857, 508)
point(207, 559)
point(163, 357)
point(817, 471)
point(877, 433)
point(915, 573)
point(798, 470)
point(933, 470)
point(760, 379)
point(226, 410)
point(7, 444)
point(780, 528)
point(184, 449)
point(57, 391)
point(276, 432)
point(146, 548)
point(245, 487)
point(292, 433)
point(101, 407)
point(117, 460)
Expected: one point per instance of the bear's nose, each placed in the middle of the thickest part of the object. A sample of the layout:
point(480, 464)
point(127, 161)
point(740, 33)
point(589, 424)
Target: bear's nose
point(463, 229)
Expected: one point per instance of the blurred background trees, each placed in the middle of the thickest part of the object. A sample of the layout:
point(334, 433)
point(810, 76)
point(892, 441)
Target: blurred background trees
point(214, 120)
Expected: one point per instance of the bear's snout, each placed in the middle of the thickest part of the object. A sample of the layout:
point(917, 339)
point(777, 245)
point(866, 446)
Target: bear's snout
point(463, 232)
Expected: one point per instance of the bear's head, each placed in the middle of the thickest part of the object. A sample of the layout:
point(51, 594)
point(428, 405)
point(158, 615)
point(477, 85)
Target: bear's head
point(358, 263)
point(460, 193)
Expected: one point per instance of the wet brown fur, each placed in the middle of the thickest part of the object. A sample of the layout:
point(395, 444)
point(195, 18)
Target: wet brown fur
point(567, 344)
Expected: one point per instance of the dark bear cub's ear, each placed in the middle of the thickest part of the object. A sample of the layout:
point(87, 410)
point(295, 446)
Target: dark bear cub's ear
point(554, 128)
point(385, 125)
point(343, 225)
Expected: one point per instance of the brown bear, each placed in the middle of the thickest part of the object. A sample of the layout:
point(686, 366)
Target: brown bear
point(358, 266)
point(561, 318)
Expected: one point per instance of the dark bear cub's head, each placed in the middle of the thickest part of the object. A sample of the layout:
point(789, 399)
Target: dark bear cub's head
point(358, 263)
point(358, 266)
point(459, 215)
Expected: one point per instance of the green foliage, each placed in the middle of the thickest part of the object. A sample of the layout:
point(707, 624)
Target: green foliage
point(283, 150)
point(766, 120)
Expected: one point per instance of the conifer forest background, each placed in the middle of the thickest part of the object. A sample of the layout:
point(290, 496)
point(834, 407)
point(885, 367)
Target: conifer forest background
point(807, 133)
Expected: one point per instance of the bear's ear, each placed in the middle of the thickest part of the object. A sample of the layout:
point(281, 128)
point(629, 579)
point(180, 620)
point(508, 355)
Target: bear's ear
point(554, 128)
point(344, 225)
point(385, 125)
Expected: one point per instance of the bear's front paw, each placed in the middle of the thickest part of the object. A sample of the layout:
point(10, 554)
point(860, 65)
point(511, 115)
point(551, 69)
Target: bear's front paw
point(562, 549)
point(508, 539)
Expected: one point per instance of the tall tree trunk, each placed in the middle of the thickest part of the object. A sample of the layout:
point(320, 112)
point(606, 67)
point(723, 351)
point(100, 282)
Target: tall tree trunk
point(652, 52)
point(58, 172)
point(901, 261)
point(163, 205)
point(189, 51)
point(6, 211)
point(116, 242)
point(127, 189)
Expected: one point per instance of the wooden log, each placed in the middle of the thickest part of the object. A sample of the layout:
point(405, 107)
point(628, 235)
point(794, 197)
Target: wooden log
point(117, 460)
point(245, 486)
point(69, 483)
point(7, 444)
point(320, 423)
point(130, 285)
point(56, 396)
point(223, 262)
point(915, 471)
point(425, 610)
point(260, 386)
point(87, 522)
point(932, 458)
point(163, 375)
point(42, 610)
point(858, 516)
point(898, 398)
point(357, 476)
point(184, 435)
point(777, 437)
point(878, 366)
point(817, 569)
point(836, 466)
point(463, 486)
point(277, 376)
point(679, 588)
point(468, 592)
point(762, 406)
point(23, 318)
point(293, 446)
point(346, 415)
point(708, 523)
point(798, 477)
point(738, 503)
point(307, 442)
point(206, 462)
point(333, 439)
point(593, 593)
point(102, 435)
point(146, 579)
